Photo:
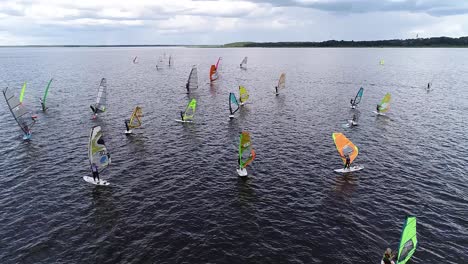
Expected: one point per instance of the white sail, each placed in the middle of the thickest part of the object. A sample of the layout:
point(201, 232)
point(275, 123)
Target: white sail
point(101, 98)
point(97, 151)
point(244, 63)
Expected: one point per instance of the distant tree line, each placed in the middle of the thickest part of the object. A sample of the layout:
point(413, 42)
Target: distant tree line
point(419, 42)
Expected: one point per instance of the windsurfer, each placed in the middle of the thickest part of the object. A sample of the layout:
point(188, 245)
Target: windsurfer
point(126, 124)
point(428, 86)
point(388, 257)
point(182, 115)
point(348, 162)
point(276, 90)
point(378, 108)
point(187, 87)
point(95, 171)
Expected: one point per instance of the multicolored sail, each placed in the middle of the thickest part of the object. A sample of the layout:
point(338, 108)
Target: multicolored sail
point(135, 119)
point(243, 63)
point(358, 97)
point(43, 102)
point(190, 110)
point(192, 82)
point(408, 242)
point(213, 73)
point(22, 116)
point(101, 98)
point(385, 103)
point(97, 151)
point(233, 104)
point(22, 92)
point(345, 147)
point(246, 152)
point(282, 81)
point(243, 95)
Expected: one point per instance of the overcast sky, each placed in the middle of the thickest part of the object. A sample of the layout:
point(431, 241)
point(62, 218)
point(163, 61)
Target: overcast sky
point(56, 22)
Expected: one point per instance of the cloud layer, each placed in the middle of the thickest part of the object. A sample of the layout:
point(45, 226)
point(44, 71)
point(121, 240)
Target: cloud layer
point(56, 22)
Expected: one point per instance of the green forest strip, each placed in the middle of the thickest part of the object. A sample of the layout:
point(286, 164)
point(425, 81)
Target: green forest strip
point(410, 43)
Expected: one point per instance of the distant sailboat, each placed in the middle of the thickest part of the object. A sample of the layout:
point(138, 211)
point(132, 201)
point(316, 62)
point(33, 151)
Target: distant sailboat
point(188, 114)
point(192, 81)
point(243, 95)
point(346, 148)
point(246, 153)
point(384, 105)
point(134, 121)
point(357, 99)
point(135, 59)
point(243, 64)
point(98, 155)
point(233, 105)
point(43, 100)
point(159, 63)
point(100, 106)
point(213, 73)
point(281, 83)
point(22, 116)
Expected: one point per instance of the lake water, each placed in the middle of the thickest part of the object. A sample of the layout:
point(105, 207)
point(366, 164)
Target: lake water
point(175, 196)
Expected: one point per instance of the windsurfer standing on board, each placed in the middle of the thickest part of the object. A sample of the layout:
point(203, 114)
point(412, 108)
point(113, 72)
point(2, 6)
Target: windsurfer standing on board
point(388, 257)
point(182, 115)
point(126, 124)
point(378, 108)
point(276, 90)
point(95, 171)
point(348, 162)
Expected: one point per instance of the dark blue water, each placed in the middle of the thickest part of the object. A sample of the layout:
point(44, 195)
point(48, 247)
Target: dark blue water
point(175, 196)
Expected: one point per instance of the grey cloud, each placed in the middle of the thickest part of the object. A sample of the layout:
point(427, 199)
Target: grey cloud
point(431, 7)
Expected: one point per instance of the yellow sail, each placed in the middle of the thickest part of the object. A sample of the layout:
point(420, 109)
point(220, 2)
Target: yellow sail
point(243, 94)
point(385, 103)
point(135, 119)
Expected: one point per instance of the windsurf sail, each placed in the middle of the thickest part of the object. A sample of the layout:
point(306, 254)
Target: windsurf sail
point(101, 98)
point(135, 119)
point(282, 81)
point(190, 110)
point(22, 116)
point(192, 82)
point(97, 151)
point(213, 73)
point(233, 104)
point(243, 63)
point(243, 94)
point(358, 97)
point(382, 62)
point(43, 102)
point(408, 240)
point(170, 60)
point(135, 60)
point(217, 64)
point(246, 152)
point(22, 93)
point(345, 147)
point(385, 103)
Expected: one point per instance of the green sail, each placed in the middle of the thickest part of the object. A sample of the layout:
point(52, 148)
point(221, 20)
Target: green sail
point(22, 93)
point(190, 110)
point(408, 240)
point(45, 95)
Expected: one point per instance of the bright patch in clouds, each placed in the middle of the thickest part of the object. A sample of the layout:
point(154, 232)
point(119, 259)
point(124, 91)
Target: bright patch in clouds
point(223, 21)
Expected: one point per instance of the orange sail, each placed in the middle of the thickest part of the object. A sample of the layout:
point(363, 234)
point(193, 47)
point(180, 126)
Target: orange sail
point(345, 147)
point(213, 73)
